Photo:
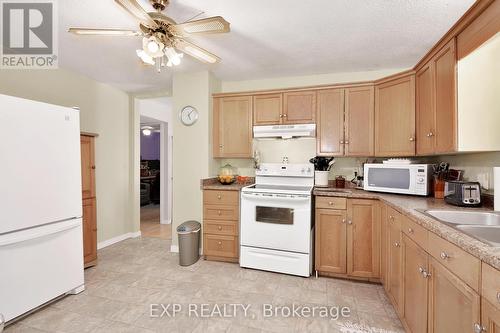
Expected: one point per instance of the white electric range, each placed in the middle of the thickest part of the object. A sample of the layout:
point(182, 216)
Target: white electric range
point(276, 230)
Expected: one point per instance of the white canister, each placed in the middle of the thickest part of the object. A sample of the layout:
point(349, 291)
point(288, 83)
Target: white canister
point(321, 178)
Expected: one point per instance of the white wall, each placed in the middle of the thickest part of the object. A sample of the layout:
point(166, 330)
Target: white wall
point(103, 110)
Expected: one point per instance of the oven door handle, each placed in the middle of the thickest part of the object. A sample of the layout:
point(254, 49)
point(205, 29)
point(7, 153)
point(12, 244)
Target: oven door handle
point(274, 197)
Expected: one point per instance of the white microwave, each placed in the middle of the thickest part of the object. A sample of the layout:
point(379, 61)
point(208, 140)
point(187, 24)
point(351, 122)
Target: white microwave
point(414, 179)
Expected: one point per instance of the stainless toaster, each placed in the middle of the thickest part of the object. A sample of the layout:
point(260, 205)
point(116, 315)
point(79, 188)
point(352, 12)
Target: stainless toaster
point(462, 193)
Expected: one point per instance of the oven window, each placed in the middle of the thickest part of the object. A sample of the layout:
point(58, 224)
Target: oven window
point(389, 178)
point(274, 215)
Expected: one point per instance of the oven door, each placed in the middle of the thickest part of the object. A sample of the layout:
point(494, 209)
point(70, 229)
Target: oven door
point(276, 221)
point(390, 178)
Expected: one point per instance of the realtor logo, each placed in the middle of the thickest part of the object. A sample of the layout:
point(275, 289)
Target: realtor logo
point(29, 34)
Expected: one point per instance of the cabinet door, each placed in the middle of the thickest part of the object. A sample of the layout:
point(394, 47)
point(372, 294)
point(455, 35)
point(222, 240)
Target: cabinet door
point(299, 107)
point(359, 121)
point(233, 127)
point(363, 238)
point(490, 317)
point(88, 166)
point(383, 245)
point(415, 286)
point(267, 109)
point(453, 305)
point(445, 91)
point(330, 138)
point(395, 268)
point(425, 111)
point(395, 117)
point(89, 231)
point(330, 242)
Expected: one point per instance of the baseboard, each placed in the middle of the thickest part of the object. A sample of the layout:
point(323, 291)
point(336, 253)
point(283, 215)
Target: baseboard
point(117, 239)
point(174, 248)
point(166, 221)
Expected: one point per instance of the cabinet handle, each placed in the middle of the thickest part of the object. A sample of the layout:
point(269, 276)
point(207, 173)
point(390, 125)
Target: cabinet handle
point(220, 243)
point(391, 217)
point(346, 142)
point(444, 255)
point(219, 212)
point(342, 142)
point(220, 146)
point(349, 222)
point(410, 230)
point(285, 115)
point(281, 116)
point(431, 134)
point(426, 274)
point(344, 221)
point(498, 297)
point(478, 328)
point(93, 167)
point(219, 196)
point(220, 228)
point(330, 203)
point(412, 139)
point(396, 244)
point(420, 270)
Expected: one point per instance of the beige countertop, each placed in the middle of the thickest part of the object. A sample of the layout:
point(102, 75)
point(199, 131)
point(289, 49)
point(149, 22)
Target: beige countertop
point(213, 184)
point(410, 206)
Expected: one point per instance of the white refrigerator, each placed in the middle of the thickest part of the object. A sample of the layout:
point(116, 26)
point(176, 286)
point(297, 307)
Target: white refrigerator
point(41, 245)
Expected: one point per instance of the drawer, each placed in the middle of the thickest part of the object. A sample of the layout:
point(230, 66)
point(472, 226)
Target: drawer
point(415, 232)
point(491, 285)
point(216, 212)
point(220, 246)
point(394, 218)
point(461, 263)
point(331, 203)
point(220, 227)
point(216, 197)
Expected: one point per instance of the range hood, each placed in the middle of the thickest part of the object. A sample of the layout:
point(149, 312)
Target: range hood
point(284, 131)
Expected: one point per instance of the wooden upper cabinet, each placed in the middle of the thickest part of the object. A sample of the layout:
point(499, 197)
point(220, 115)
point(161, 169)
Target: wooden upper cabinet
point(330, 242)
point(415, 286)
point(232, 127)
point(453, 305)
point(425, 110)
point(267, 109)
point(330, 127)
point(363, 238)
point(88, 166)
point(444, 63)
point(299, 107)
point(359, 121)
point(395, 117)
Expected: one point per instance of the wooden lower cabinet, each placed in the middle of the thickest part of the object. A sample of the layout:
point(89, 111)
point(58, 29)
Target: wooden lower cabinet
point(415, 268)
point(348, 240)
point(453, 305)
point(331, 247)
point(220, 246)
point(363, 238)
point(395, 267)
point(89, 226)
point(490, 318)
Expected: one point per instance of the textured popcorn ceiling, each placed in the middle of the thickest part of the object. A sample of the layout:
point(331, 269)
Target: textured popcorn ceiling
point(268, 38)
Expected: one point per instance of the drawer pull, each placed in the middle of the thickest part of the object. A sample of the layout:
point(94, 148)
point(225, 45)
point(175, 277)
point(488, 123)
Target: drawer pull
point(391, 217)
point(343, 220)
point(420, 270)
point(426, 274)
point(478, 328)
point(410, 230)
point(220, 228)
point(349, 222)
point(219, 196)
point(444, 255)
point(220, 243)
point(330, 203)
point(219, 212)
point(396, 244)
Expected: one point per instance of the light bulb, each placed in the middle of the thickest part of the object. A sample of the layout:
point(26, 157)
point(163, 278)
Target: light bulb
point(173, 57)
point(176, 60)
point(144, 57)
point(146, 131)
point(153, 46)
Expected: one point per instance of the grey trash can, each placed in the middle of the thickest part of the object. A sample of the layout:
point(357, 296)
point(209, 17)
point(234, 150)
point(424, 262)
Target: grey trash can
point(189, 242)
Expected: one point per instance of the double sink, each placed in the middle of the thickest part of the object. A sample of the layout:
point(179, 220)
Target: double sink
point(484, 226)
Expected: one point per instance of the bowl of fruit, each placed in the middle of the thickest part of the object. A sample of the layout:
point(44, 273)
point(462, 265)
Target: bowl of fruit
point(227, 175)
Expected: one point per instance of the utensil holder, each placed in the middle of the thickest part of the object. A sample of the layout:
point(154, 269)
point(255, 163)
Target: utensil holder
point(321, 178)
point(439, 188)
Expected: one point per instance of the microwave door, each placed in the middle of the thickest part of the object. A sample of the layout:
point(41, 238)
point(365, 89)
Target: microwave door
point(396, 180)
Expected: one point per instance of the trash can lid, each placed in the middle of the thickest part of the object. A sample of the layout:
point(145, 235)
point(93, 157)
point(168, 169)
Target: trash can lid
point(189, 226)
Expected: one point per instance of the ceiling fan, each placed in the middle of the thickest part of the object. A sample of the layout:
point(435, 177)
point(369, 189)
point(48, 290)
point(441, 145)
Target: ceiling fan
point(162, 36)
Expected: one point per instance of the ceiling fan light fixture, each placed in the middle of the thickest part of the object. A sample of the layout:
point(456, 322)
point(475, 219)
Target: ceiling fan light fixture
point(153, 46)
point(145, 57)
point(173, 57)
point(146, 132)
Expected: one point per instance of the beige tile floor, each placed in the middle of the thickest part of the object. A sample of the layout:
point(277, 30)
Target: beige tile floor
point(136, 273)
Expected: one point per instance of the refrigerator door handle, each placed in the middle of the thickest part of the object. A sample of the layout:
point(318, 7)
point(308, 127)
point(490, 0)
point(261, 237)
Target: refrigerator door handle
point(29, 234)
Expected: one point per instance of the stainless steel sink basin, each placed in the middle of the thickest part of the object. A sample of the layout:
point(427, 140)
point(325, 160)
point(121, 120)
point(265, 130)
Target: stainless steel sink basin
point(487, 234)
point(466, 217)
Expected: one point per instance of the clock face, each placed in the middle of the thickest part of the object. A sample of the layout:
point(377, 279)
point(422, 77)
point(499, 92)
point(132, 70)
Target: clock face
point(188, 115)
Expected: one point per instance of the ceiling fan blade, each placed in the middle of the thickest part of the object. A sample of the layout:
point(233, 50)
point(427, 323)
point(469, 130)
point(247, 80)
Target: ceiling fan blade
point(104, 32)
point(196, 52)
point(211, 25)
point(136, 10)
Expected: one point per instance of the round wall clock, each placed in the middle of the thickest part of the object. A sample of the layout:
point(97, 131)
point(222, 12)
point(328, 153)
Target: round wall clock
point(188, 115)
